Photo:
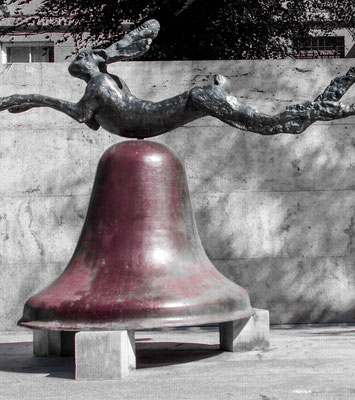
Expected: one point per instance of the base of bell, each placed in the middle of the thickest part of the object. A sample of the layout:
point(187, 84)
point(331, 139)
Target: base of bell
point(111, 355)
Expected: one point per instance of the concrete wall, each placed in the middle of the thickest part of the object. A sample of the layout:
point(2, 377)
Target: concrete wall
point(275, 214)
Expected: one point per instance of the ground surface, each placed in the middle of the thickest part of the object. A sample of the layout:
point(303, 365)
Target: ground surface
point(303, 363)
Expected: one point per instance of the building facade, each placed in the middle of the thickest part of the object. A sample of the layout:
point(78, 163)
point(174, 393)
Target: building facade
point(19, 45)
point(26, 46)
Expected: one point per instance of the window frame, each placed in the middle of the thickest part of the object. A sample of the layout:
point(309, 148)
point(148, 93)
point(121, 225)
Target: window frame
point(328, 47)
point(7, 45)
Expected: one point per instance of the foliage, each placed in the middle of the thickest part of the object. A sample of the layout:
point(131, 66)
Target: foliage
point(198, 29)
point(3, 9)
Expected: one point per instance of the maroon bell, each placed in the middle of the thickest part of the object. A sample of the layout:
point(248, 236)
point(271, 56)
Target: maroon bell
point(139, 262)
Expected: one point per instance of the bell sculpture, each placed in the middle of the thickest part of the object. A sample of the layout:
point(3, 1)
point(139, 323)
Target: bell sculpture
point(139, 262)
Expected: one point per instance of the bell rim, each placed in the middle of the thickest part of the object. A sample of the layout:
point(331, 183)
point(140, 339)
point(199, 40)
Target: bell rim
point(138, 324)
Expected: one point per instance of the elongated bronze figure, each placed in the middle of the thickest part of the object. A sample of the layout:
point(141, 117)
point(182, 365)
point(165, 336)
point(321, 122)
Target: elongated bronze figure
point(108, 102)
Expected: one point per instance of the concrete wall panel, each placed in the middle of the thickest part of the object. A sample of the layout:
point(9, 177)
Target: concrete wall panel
point(297, 289)
point(274, 224)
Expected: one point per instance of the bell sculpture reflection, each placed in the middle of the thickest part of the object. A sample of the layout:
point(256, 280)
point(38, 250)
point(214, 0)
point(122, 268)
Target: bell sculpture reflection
point(139, 262)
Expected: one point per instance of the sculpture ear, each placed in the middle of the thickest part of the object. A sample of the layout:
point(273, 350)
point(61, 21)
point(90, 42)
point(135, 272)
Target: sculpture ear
point(100, 52)
point(134, 43)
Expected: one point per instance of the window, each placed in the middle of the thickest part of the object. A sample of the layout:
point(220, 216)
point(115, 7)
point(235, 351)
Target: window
point(322, 47)
point(28, 52)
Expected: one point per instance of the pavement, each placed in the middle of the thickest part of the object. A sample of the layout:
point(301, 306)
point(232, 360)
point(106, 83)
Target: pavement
point(303, 362)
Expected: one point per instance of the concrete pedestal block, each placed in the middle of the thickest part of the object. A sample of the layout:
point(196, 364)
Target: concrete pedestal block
point(104, 355)
point(246, 334)
point(53, 343)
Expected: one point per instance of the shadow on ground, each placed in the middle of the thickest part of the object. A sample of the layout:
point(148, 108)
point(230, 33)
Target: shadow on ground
point(159, 354)
point(341, 332)
point(18, 357)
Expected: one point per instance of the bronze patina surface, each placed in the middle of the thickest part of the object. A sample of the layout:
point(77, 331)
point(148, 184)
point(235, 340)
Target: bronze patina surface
point(139, 262)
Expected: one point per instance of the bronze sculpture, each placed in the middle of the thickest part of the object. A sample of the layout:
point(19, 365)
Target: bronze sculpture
point(139, 263)
point(108, 102)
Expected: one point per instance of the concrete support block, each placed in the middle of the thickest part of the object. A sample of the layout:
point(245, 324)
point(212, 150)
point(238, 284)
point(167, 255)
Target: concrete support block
point(53, 343)
point(246, 334)
point(104, 355)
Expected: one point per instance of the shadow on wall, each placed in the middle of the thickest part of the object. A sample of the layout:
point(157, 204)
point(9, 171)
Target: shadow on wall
point(286, 233)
